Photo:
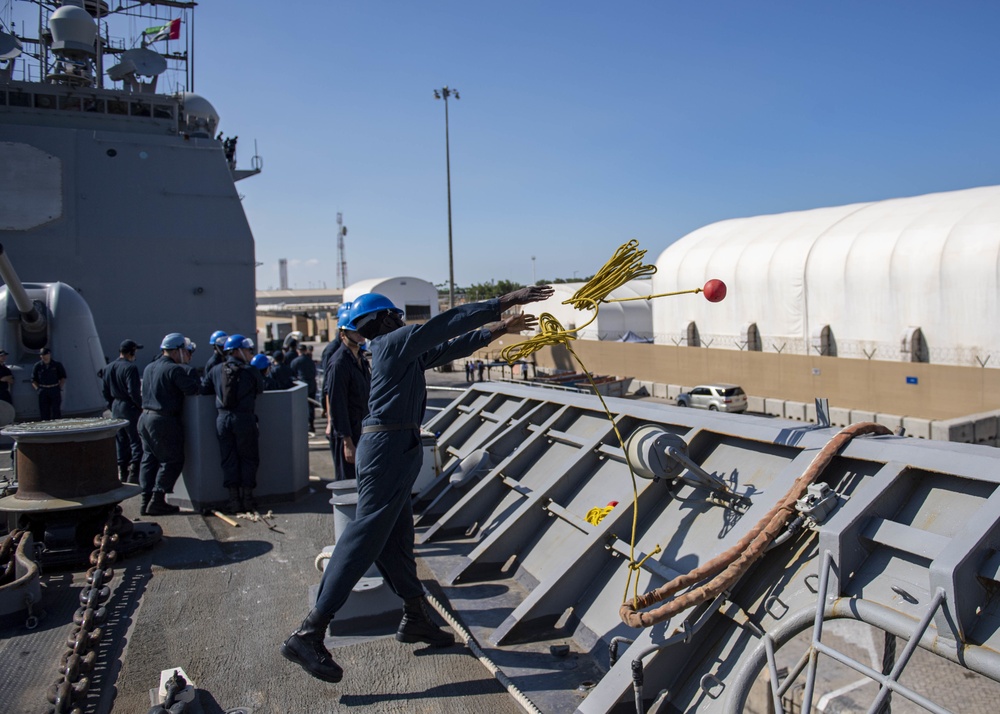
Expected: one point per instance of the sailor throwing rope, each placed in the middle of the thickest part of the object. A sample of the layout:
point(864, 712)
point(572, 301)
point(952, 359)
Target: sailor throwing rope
point(388, 460)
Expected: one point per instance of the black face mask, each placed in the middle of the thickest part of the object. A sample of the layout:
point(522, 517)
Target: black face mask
point(385, 322)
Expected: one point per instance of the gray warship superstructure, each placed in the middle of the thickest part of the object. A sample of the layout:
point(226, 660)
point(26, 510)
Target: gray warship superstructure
point(122, 192)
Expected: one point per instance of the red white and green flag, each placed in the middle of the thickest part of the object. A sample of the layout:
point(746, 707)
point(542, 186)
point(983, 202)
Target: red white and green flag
point(170, 31)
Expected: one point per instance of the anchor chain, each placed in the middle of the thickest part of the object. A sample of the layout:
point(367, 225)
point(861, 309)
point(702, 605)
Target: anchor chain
point(8, 561)
point(67, 695)
point(8, 571)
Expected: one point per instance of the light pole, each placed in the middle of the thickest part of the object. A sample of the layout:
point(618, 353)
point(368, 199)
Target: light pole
point(444, 93)
point(533, 279)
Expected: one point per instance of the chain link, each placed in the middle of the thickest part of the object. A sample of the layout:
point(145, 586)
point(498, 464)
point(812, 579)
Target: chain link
point(8, 571)
point(67, 695)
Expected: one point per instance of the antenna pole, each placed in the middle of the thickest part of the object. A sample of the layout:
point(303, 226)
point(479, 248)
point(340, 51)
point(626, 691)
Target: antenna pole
point(341, 257)
point(444, 93)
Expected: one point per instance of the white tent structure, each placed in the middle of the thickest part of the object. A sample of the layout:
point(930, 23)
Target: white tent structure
point(912, 279)
point(613, 320)
point(417, 298)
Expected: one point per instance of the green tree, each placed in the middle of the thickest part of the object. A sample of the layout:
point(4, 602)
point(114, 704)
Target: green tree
point(491, 289)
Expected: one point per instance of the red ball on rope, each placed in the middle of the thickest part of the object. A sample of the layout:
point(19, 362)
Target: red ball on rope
point(715, 290)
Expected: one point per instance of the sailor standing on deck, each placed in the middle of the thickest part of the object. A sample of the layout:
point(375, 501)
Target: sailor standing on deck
point(281, 376)
point(165, 382)
point(388, 461)
point(346, 387)
point(123, 393)
point(305, 371)
point(217, 342)
point(335, 343)
point(236, 385)
point(6, 379)
point(48, 378)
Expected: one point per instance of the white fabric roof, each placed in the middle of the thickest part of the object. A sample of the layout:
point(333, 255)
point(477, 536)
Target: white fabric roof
point(402, 291)
point(868, 270)
point(613, 319)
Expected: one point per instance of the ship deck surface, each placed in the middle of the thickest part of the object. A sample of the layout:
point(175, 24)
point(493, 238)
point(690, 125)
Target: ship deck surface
point(217, 601)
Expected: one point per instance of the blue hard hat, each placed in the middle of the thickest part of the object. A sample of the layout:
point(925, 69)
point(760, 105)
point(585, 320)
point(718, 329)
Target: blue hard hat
point(235, 342)
point(172, 341)
point(343, 310)
point(218, 338)
point(369, 304)
point(261, 362)
point(191, 346)
point(344, 322)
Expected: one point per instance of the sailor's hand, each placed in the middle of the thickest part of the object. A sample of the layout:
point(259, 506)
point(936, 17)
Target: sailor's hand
point(349, 451)
point(519, 323)
point(535, 293)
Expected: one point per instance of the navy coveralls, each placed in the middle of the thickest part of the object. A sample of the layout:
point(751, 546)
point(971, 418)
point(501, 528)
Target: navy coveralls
point(216, 358)
point(237, 428)
point(347, 382)
point(305, 371)
point(164, 385)
point(124, 395)
point(388, 461)
point(328, 352)
point(280, 377)
point(4, 387)
point(47, 377)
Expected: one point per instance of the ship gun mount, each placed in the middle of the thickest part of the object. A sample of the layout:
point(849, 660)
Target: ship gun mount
point(33, 324)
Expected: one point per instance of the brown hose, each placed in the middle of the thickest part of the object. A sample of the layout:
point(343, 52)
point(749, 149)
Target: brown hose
point(728, 567)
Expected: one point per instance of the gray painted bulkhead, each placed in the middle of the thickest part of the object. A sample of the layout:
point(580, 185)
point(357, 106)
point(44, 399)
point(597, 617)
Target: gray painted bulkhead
point(915, 535)
point(142, 220)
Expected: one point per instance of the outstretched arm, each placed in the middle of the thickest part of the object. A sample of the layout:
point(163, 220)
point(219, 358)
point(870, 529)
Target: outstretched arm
point(512, 325)
point(524, 296)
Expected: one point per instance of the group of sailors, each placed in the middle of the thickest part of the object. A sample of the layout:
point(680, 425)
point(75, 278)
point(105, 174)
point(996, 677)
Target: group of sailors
point(150, 446)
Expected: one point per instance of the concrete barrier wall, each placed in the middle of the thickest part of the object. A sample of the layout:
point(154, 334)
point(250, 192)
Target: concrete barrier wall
point(797, 411)
point(917, 428)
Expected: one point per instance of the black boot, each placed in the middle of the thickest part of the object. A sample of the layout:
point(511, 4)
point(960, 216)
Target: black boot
point(417, 625)
point(133, 472)
point(144, 508)
point(305, 648)
point(158, 505)
point(247, 499)
point(123, 473)
point(235, 504)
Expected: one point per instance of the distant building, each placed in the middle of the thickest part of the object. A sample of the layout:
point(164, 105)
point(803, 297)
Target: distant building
point(313, 312)
point(908, 279)
point(417, 298)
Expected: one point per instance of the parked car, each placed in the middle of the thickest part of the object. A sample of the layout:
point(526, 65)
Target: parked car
point(717, 397)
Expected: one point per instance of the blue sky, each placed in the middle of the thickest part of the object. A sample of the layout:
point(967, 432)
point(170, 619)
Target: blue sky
point(584, 124)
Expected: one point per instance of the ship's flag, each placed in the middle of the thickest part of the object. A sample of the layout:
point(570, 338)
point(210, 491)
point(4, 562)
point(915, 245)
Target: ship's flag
point(170, 31)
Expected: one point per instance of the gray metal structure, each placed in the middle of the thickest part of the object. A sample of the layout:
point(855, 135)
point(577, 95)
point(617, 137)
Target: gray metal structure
point(905, 539)
point(120, 192)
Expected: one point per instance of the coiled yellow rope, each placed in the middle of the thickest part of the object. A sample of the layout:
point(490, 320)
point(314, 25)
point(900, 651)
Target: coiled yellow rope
point(596, 514)
point(625, 265)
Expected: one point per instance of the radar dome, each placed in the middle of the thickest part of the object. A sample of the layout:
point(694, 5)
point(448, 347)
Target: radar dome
point(73, 31)
point(199, 117)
